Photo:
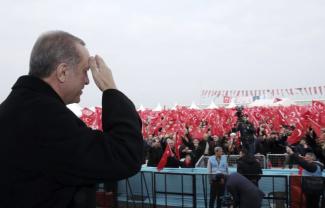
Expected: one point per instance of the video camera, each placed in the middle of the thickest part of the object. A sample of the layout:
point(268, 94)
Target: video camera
point(227, 200)
point(239, 111)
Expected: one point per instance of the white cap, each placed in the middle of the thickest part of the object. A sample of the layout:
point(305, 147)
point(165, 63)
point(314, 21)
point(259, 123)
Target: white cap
point(232, 134)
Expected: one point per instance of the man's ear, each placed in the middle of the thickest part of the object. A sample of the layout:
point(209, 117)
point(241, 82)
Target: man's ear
point(61, 72)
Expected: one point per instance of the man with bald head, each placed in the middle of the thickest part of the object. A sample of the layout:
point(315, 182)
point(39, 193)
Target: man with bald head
point(49, 157)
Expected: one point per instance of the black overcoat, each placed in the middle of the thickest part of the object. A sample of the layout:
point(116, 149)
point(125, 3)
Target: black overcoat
point(47, 153)
point(245, 193)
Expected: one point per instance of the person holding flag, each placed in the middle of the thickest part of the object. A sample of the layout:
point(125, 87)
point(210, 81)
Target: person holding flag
point(169, 158)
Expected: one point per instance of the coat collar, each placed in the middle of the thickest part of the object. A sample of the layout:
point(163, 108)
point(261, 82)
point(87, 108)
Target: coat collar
point(36, 84)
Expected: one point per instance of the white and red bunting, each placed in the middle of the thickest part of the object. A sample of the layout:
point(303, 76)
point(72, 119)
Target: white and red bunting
point(286, 92)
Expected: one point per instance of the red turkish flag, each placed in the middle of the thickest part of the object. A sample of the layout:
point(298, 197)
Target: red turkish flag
point(163, 161)
point(276, 122)
point(89, 117)
point(99, 118)
point(252, 118)
point(295, 136)
point(322, 119)
point(226, 99)
point(318, 111)
point(318, 105)
point(178, 144)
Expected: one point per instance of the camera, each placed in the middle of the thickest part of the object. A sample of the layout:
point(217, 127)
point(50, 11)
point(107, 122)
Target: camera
point(227, 200)
point(239, 111)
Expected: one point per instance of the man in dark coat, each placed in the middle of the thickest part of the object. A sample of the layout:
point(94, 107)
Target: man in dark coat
point(244, 192)
point(155, 153)
point(249, 166)
point(197, 152)
point(247, 134)
point(49, 157)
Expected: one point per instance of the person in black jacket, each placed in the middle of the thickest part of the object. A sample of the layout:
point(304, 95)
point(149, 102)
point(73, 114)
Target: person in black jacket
point(248, 166)
point(197, 152)
point(154, 154)
point(245, 193)
point(49, 157)
point(247, 134)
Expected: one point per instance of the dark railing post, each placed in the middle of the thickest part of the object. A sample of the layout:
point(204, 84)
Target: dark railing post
point(165, 189)
point(141, 183)
point(127, 193)
point(131, 192)
point(194, 190)
point(273, 188)
point(154, 196)
point(286, 190)
point(182, 183)
point(205, 189)
point(114, 190)
point(146, 187)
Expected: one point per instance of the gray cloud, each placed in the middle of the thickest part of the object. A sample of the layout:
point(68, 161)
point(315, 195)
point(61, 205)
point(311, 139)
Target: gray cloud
point(168, 51)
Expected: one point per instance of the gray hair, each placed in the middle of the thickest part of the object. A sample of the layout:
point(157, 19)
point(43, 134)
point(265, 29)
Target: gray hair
point(51, 49)
point(312, 155)
point(216, 149)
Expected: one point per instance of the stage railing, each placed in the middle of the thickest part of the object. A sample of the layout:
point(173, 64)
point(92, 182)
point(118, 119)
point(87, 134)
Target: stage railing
point(171, 189)
point(276, 160)
point(232, 161)
point(266, 162)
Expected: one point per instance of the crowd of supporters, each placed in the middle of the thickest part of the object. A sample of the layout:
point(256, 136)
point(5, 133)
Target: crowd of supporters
point(188, 148)
point(190, 133)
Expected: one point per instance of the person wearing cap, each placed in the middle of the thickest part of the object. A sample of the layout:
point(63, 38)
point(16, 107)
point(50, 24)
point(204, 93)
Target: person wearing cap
point(217, 166)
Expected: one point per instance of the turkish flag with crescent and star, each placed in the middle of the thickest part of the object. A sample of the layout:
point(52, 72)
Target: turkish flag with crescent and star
point(295, 136)
point(163, 161)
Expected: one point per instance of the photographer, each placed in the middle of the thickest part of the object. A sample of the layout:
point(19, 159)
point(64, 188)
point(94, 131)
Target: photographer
point(247, 131)
point(249, 166)
point(245, 194)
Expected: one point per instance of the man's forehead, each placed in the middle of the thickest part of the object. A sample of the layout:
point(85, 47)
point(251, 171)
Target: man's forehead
point(84, 56)
point(83, 51)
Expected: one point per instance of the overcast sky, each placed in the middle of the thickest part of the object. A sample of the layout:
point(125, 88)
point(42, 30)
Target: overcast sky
point(167, 51)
